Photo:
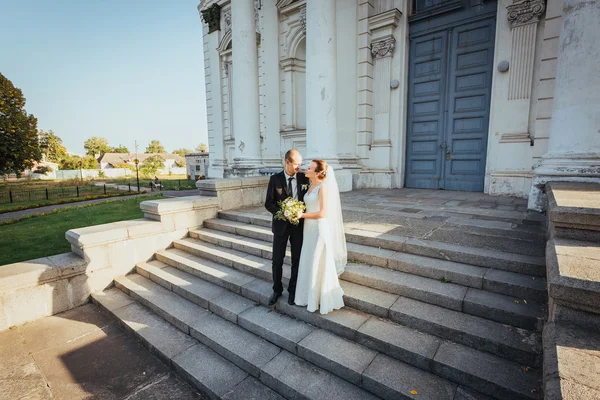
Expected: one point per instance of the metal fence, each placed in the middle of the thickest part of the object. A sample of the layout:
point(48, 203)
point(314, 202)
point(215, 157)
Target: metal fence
point(53, 193)
point(180, 184)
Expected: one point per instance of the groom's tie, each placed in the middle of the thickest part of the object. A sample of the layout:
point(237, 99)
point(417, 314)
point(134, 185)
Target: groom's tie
point(290, 189)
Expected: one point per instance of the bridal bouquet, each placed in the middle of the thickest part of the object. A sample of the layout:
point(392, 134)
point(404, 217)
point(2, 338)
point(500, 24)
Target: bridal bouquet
point(289, 210)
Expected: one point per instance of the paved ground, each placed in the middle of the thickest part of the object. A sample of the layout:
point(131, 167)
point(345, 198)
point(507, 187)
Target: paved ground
point(82, 354)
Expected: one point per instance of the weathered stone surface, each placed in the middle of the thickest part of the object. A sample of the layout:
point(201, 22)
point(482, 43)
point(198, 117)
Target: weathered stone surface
point(168, 386)
point(207, 270)
point(112, 299)
point(502, 308)
point(415, 348)
point(230, 306)
point(392, 379)
point(462, 274)
point(277, 328)
point(575, 205)
point(571, 355)
point(463, 393)
point(333, 353)
point(366, 299)
point(480, 371)
point(208, 371)
point(289, 375)
point(425, 289)
point(257, 290)
point(480, 333)
point(168, 305)
point(368, 255)
point(236, 344)
point(251, 389)
point(516, 285)
point(162, 338)
point(247, 217)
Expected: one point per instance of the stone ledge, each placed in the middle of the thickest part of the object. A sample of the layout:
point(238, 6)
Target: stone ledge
point(214, 185)
point(574, 207)
point(234, 193)
point(179, 204)
point(39, 271)
point(573, 274)
point(570, 363)
point(113, 232)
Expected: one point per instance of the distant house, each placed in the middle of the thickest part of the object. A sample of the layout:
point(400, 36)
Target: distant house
point(197, 165)
point(111, 160)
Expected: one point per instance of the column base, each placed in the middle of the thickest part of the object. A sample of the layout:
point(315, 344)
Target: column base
point(246, 166)
point(215, 172)
point(562, 167)
point(374, 179)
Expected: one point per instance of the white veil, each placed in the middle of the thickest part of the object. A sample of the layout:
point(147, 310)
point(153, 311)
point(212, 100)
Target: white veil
point(336, 223)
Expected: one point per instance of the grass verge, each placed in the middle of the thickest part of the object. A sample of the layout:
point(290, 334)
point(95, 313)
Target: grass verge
point(5, 208)
point(44, 235)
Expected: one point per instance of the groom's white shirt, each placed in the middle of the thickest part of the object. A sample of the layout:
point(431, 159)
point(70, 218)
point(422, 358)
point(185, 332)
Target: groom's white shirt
point(294, 184)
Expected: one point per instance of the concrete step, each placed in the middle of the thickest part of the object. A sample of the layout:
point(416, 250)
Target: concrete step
point(233, 250)
point(574, 210)
point(519, 263)
point(513, 343)
point(510, 283)
point(466, 253)
point(401, 342)
point(347, 359)
point(210, 373)
point(252, 354)
point(326, 349)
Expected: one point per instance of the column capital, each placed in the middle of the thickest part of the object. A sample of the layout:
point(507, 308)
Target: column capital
point(524, 12)
point(212, 17)
point(383, 48)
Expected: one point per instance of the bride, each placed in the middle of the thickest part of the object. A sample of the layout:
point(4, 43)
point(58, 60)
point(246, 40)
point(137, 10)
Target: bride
point(324, 254)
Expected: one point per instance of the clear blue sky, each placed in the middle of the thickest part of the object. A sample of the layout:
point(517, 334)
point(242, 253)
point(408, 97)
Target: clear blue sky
point(122, 69)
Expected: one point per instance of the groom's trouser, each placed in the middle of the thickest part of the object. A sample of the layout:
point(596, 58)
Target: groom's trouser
point(294, 235)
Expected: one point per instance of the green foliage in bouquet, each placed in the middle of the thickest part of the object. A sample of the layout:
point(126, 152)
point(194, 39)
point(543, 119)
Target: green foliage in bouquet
point(289, 210)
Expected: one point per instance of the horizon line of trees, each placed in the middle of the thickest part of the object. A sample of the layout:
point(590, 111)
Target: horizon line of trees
point(22, 144)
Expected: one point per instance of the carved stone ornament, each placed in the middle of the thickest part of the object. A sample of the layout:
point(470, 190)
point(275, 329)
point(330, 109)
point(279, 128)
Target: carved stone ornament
point(227, 19)
point(212, 17)
point(383, 48)
point(303, 18)
point(523, 12)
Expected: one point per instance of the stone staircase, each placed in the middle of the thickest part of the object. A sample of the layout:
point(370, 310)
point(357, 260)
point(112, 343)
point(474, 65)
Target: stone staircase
point(446, 317)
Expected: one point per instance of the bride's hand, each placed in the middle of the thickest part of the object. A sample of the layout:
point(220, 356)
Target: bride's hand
point(300, 214)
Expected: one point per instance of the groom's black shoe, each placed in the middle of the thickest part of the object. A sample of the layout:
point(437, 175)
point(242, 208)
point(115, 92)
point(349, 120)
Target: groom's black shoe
point(273, 299)
point(291, 300)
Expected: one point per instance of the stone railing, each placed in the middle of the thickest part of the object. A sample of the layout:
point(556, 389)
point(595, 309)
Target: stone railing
point(236, 192)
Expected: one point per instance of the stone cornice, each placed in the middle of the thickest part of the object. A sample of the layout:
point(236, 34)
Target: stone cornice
point(386, 20)
point(523, 12)
point(289, 6)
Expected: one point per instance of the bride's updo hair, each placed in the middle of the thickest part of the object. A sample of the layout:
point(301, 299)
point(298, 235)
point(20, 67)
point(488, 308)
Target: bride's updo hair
point(321, 169)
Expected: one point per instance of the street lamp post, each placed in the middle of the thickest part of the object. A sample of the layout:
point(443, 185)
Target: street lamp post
point(137, 174)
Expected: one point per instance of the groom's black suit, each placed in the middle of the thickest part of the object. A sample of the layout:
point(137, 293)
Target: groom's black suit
point(284, 231)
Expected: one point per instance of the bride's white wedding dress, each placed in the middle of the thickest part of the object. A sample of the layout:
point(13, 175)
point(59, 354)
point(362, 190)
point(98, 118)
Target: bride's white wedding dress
point(318, 286)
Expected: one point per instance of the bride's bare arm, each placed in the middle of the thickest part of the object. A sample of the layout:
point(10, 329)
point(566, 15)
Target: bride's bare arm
point(322, 213)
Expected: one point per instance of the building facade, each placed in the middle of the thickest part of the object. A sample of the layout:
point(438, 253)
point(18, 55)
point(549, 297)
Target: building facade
point(196, 165)
point(498, 96)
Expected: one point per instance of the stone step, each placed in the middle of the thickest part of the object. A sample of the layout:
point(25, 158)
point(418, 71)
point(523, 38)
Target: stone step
point(574, 274)
point(510, 283)
point(519, 263)
point(252, 354)
point(401, 342)
point(519, 312)
point(210, 373)
point(344, 357)
point(513, 343)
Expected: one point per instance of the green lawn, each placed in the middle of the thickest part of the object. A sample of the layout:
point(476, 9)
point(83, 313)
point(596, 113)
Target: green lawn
point(26, 205)
point(174, 182)
point(44, 235)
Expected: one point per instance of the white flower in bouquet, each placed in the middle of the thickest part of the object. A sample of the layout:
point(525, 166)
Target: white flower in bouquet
point(287, 213)
point(290, 210)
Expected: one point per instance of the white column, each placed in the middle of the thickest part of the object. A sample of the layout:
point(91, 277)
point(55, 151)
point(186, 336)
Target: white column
point(574, 144)
point(245, 101)
point(321, 96)
point(270, 81)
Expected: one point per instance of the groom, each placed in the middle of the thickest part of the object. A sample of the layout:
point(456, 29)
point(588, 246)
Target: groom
point(287, 183)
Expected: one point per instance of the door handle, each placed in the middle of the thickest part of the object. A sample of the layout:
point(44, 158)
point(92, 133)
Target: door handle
point(447, 153)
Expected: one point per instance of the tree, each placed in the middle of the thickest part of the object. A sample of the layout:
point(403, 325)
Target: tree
point(202, 148)
point(96, 146)
point(128, 166)
point(19, 142)
point(151, 165)
point(77, 162)
point(182, 152)
point(52, 146)
point(155, 147)
point(120, 149)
